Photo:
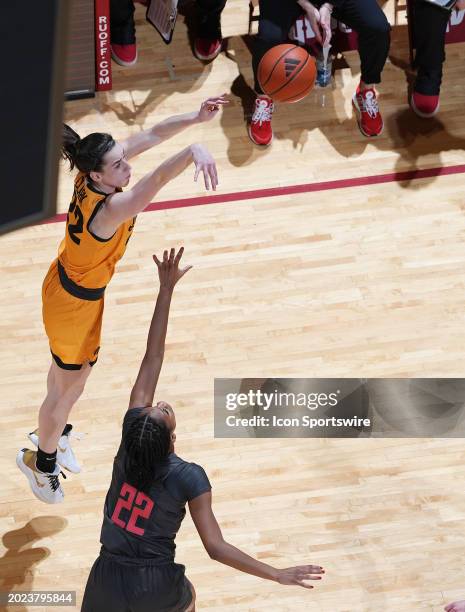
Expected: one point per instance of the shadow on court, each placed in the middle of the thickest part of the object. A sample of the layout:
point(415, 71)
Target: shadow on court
point(21, 557)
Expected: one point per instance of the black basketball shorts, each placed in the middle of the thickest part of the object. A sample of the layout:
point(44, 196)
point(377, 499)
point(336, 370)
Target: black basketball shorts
point(119, 585)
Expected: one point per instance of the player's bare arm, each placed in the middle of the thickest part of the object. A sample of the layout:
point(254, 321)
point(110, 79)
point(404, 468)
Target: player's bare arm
point(142, 141)
point(169, 273)
point(121, 206)
point(220, 550)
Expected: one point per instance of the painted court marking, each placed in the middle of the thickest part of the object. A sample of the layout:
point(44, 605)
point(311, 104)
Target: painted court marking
point(271, 192)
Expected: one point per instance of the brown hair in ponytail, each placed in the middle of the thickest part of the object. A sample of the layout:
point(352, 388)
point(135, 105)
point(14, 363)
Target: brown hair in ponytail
point(85, 154)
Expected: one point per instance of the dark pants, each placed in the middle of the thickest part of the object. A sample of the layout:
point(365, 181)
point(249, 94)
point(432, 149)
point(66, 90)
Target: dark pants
point(363, 16)
point(429, 28)
point(123, 31)
point(118, 586)
point(209, 18)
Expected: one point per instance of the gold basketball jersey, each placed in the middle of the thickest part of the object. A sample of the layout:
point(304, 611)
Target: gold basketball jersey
point(88, 260)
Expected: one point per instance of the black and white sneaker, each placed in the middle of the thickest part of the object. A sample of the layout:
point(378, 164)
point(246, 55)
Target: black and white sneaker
point(45, 487)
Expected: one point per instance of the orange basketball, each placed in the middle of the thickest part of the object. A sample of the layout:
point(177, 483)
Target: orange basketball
point(287, 73)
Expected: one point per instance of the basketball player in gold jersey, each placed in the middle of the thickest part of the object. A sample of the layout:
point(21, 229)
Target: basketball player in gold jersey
point(100, 221)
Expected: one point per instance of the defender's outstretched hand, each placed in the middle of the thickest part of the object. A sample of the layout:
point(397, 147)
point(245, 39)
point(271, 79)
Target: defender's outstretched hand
point(169, 271)
point(211, 107)
point(299, 575)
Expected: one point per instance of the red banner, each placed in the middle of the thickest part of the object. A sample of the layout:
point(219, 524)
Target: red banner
point(345, 39)
point(103, 81)
point(456, 27)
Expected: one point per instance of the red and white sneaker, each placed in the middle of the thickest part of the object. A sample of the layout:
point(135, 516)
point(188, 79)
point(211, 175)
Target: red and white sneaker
point(366, 108)
point(206, 49)
point(124, 55)
point(424, 106)
point(260, 130)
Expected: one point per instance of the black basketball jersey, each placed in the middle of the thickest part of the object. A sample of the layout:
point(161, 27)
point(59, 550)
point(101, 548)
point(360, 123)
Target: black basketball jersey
point(144, 526)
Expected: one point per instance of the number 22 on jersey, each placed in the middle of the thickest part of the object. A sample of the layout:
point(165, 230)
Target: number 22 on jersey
point(137, 503)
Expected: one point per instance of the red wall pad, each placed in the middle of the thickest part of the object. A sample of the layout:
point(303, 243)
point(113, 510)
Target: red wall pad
point(103, 81)
point(456, 27)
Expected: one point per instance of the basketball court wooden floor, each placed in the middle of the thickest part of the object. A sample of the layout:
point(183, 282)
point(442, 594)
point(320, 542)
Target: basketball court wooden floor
point(349, 280)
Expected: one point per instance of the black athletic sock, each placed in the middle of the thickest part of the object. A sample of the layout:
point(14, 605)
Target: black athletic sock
point(67, 429)
point(46, 462)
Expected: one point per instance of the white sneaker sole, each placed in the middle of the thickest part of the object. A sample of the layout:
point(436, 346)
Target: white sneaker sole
point(207, 58)
point(420, 113)
point(61, 459)
point(359, 114)
point(32, 482)
point(121, 62)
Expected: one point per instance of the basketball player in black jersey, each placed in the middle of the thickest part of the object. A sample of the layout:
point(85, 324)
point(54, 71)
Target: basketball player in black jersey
point(150, 486)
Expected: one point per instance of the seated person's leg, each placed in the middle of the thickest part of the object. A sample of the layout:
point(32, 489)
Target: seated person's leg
point(207, 44)
point(373, 29)
point(276, 19)
point(123, 32)
point(429, 25)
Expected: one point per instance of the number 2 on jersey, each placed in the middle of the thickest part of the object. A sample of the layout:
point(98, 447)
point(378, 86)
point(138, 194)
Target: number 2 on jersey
point(75, 228)
point(138, 503)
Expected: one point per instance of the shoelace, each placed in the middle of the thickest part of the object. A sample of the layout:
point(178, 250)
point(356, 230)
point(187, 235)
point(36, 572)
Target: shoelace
point(370, 104)
point(263, 111)
point(53, 480)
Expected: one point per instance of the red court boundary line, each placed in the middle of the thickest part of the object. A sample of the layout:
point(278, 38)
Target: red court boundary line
point(271, 192)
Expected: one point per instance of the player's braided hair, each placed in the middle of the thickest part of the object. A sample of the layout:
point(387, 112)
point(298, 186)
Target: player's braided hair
point(146, 442)
point(86, 154)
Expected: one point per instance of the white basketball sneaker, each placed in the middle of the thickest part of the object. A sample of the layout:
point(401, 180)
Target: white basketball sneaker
point(65, 455)
point(45, 487)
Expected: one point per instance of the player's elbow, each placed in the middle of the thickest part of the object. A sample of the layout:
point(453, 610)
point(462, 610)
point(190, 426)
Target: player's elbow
point(215, 549)
point(158, 138)
point(213, 553)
